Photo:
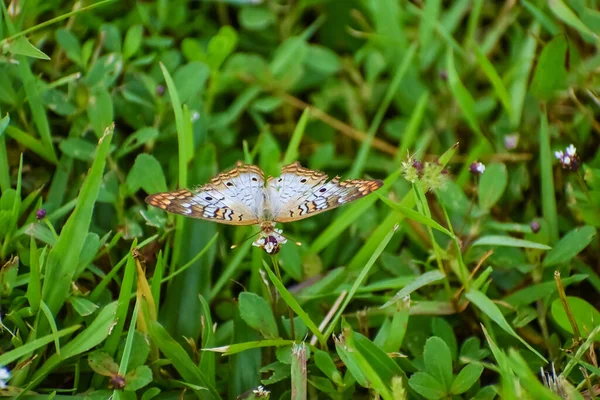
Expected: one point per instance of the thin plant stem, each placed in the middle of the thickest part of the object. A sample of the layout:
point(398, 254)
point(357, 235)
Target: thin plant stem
point(275, 261)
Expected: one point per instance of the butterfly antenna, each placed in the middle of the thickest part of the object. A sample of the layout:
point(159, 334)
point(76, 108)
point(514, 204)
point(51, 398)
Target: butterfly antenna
point(288, 237)
point(244, 240)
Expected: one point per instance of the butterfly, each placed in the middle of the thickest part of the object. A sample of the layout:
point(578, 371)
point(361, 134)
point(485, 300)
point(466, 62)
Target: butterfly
point(241, 196)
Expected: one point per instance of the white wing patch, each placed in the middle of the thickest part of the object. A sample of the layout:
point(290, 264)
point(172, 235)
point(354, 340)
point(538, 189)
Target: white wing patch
point(301, 193)
point(235, 197)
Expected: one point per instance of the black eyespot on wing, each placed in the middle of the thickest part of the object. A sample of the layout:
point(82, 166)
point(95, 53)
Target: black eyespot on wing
point(303, 180)
point(322, 190)
point(254, 179)
point(229, 184)
point(208, 198)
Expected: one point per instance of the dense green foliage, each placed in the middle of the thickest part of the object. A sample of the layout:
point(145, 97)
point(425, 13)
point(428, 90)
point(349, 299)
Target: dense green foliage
point(445, 283)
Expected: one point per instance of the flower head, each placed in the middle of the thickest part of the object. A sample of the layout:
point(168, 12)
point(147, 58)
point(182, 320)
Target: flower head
point(4, 376)
point(261, 392)
point(40, 214)
point(477, 168)
point(535, 226)
point(568, 158)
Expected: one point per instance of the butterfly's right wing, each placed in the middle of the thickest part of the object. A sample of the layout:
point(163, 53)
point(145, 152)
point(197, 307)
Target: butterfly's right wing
point(235, 197)
point(301, 192)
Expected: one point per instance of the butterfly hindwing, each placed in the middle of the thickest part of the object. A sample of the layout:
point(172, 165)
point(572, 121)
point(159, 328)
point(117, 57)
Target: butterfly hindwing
point(235, 197)
point(301, 193)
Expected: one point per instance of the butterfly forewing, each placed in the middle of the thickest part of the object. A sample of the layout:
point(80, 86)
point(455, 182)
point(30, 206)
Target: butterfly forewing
point(301, 193)
point(235, 197)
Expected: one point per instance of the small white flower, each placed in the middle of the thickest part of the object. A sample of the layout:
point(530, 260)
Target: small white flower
point(568, 158)
point(4, 376)
point(261, 391)
point(477, 168)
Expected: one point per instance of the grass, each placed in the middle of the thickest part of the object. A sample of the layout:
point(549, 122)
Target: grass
point(445, 283)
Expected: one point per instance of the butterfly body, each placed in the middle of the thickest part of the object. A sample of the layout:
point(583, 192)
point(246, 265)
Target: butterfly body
point(241, 196)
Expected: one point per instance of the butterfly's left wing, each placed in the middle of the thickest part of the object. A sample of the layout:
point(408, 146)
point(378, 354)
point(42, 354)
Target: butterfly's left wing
point(234, 197)
point(301, 192)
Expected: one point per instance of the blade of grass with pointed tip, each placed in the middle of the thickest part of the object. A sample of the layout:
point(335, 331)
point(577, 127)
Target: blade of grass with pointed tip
point(359, 281)
point(294, 305)
point(508, 241)
point(490, 309)
point(31, 143)
point(180, 359)
point(419, 282)
point(129, 341)
point(414, 215)
point(30, 347)
point(125, 292)
point(89, 338)
point(239, 347)
point(64, 256)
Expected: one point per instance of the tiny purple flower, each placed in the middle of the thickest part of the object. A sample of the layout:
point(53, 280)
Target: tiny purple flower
point(40, 214)
point(418, 165)
point(535, 226)
point(160, 90)
point(477, 168)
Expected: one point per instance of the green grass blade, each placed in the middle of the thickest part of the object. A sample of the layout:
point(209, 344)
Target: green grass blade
point(31, 143)
point(89, 338)
point(462, 96)
point(291, 154)
point(180, 359)
point(30, 347)
point(361, 158)
point(64, 256)
point(419, 282)
point(564, 13)
point(125, 293)
point(518, 88)
point(50, 318)
point(294, 305)
point(37, 107)
point(129, 341)
point(240, 347)
point(53, 21)
point(412, 129)
point(359, 281)
point(549, 210)
point(499, 88)
point(489, 308)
